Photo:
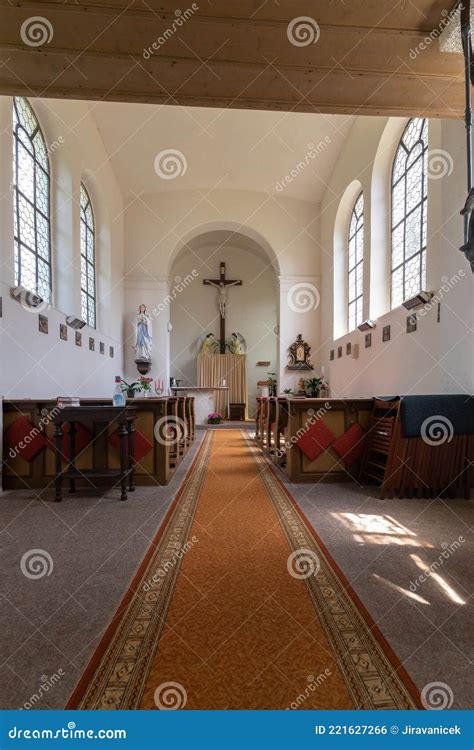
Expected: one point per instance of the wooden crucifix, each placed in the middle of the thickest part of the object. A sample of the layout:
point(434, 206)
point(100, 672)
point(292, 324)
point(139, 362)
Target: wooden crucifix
point(222, 285)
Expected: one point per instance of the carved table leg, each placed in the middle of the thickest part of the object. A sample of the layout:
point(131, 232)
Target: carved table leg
point(123, 459)
point(58, 436)
point(72, 454)
point(131, 455)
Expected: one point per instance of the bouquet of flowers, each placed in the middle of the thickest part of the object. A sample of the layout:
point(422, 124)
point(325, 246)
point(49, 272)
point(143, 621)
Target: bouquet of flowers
point(145, 383)
point(214, 418)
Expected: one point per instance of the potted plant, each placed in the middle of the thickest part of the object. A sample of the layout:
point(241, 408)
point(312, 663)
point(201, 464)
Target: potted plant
point(288, 391)
point(130, 389)
point(314, 385)
point(272, 383)
point(145, 384)
point(214, 418)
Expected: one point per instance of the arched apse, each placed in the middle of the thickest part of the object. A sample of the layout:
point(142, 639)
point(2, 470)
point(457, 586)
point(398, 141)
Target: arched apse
point(252, 308)
point(340, 244)
point(231, 228)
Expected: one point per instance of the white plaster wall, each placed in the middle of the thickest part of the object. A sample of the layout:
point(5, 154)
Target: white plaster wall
point(38, 365)
point(156, 226)
point(438, 357)
point(252, 310)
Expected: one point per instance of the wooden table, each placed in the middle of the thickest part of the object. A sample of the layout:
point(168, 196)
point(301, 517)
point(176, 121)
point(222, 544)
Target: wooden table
point(105, 415)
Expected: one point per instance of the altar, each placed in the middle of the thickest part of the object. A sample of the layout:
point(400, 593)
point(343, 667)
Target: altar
point(206, 400)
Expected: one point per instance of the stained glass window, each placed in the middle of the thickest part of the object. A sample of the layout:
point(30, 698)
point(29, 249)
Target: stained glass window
point(88, 302)
point(409, 204)
point(356, 265)
point(31, 202)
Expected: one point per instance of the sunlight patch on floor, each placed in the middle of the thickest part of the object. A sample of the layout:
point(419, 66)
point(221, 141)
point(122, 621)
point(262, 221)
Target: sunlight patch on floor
point(401, 590)
point(444, 585)
point(374, 528)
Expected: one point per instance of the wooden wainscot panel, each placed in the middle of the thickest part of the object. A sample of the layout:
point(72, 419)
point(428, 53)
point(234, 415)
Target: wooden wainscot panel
point(338, 415)
point(153, 469)
point(328, 461)
point(16, 467)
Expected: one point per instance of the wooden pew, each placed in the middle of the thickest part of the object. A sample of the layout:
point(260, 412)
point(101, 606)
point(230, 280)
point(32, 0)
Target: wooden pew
point(156, 420)
point(410, 466)
point(279, 433)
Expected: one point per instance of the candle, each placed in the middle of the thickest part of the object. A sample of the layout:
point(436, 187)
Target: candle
point(322, 371)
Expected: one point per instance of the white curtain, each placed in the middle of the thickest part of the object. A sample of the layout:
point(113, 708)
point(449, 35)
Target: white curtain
point(214, 368)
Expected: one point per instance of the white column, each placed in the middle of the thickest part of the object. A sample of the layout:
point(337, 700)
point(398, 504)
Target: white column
point(152, 291)
point(299, 313)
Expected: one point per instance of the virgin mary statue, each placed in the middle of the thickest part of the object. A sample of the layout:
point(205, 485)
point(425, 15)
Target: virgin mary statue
point(143, 334)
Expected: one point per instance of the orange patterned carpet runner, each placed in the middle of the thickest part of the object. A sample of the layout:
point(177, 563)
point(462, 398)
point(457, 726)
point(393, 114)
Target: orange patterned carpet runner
point(238, 605)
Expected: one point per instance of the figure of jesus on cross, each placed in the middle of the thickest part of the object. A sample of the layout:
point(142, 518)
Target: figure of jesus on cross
point(222, 284)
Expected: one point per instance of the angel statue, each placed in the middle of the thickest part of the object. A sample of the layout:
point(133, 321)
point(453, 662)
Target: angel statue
point(143, 334)
point(208, 344)
point(236, 344)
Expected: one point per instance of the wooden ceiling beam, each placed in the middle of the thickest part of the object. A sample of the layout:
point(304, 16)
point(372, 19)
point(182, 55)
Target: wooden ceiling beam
point(104, 50)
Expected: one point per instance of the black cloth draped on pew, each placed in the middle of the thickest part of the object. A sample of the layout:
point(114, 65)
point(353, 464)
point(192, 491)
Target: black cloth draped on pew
point(458, 409)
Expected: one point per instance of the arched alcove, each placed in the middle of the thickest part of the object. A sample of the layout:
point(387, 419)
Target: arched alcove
point(380, 207)
point(251, 309)
point(103, 247)
point(341, 228)
point(231, 228)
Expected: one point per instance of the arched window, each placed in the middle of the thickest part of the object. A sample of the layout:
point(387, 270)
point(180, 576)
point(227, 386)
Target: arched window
point(32, 234)
point(409, 204)
point(355, 265)
point(88, 298)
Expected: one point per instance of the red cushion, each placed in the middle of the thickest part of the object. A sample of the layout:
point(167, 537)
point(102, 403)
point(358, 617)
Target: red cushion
point(23, 439)
point(315, 439)
point(142, 444)
point(82, 439)
point(350, 446)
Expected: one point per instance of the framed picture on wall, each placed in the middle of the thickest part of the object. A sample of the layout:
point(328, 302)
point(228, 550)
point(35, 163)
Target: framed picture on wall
point(339, 352)
point(63, 332)
point(386, 333)
point(78, 338)
point(411, 323)
point(368, 340)
point(111, 351)
point(91, 344)
point(348, 347)
point(42, 324)
point(102, 347)
point(331, 355)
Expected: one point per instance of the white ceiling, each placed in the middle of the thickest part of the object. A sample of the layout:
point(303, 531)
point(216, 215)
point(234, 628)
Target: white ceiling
point(223, 148)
